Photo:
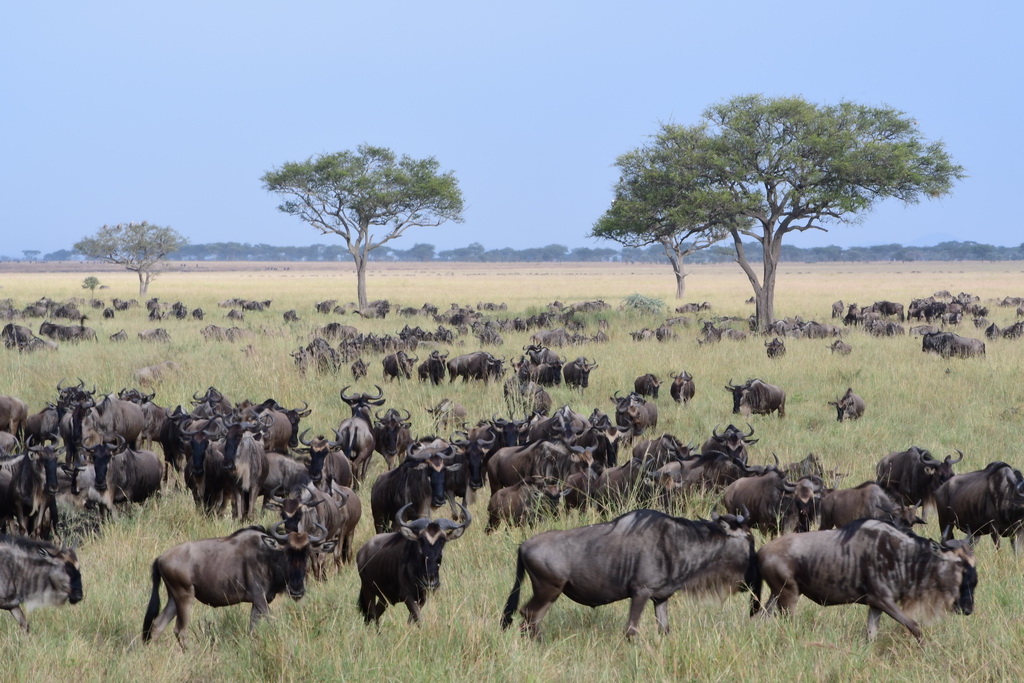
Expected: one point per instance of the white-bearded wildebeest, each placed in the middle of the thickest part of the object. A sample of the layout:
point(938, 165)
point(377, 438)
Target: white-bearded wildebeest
point(122, 475)
point(849, 406)
point(405, 565)
point(755, 397)
point(988, 501)
point(479, 365)
point(113, 417)
point(867, 501)
point(326, 462)
point(948, 345)
point(245, 467)
point(577, 373)
point(307, 509)
point(418, 481)
point(840, 347)
point(634, 412)
point(28, 483)
point(251, 565)
point(13, 414)
point(355, 434)
point(776, 348)
point(36, 574)
point(391, 435)
point(773, 504)
point(731, 442)
point(647, 385)
point(525, 502)
point(682, 389)
point(871, 563)
point(433, 368)
point(68, 333)
point(398, 365)
point(912, 476)
point(643, 555)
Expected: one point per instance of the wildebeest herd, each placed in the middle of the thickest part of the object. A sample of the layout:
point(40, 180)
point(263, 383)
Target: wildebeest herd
point(94, 449)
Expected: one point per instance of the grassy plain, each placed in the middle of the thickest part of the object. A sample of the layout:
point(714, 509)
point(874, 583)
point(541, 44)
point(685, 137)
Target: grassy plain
point(912, 398)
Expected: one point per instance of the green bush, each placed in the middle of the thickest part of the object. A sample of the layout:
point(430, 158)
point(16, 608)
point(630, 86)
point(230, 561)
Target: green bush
point(639, 303)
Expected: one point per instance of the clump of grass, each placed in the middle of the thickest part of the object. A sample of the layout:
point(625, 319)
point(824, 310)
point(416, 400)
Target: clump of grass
point(638, 303)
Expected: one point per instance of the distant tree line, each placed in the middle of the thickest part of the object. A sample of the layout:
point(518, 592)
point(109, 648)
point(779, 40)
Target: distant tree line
point(554, 253)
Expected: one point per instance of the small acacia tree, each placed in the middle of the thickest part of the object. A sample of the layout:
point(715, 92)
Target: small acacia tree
point(139, 247)
point(368, 197)
point(768, 167)
point(91, 283)
point(660, 202)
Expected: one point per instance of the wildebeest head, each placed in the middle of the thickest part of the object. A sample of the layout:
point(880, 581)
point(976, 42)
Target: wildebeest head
point(360, 403)
point(960, 551)
point(388, 429)
point(732, 442)
point(436, 463)
point(101, 454)
point(473, 452)
point(430, 537)
point(296, 547)
point(318, 449)
point(44, 462)
point(940, 471)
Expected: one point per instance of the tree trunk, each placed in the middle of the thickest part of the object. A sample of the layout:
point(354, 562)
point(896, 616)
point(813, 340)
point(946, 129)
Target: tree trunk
point(675, 257)
point(361, 281)
point(143, 282)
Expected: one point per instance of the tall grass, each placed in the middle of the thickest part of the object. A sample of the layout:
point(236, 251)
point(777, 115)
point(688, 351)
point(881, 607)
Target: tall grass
point(912, 398)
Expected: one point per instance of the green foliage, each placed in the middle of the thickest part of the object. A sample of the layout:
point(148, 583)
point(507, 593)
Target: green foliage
point(91, 283)
point(638, 303)
point(139, 247)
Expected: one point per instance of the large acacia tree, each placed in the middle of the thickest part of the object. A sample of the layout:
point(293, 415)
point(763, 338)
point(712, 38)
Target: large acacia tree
point(139, 247)
point(658, 201)
point(774, 166)
point(368, 197)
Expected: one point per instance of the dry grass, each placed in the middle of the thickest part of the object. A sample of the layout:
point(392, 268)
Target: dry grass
point(912, 398)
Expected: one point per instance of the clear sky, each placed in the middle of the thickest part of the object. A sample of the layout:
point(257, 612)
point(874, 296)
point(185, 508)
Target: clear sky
point(171, 112)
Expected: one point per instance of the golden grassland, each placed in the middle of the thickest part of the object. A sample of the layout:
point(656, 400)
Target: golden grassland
point(912, 398)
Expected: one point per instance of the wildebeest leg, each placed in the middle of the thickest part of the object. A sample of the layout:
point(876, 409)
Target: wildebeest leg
point(544, 595)
point(661, 614)
point(889, 607)
point(414, 610)
point(19, 616)
point(636, 607)
point(260, 609)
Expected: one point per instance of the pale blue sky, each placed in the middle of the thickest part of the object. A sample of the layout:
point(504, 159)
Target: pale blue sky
point(171, 112)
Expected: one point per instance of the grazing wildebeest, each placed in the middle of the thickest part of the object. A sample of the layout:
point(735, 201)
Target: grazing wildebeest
point(398, 365)
point(849, 406)
point(68, 333)
point(948, 345)
point(867, 501)
point(682, 389)
point(776, 348)
point(647, 385)
point(871, 563)
point(642, 555)
point(251, 565)
point(36, 574)
point(988, 501)
point(404, 565)
point(841, 347)
point(755, 397)
point(912, 476)
point(577, 373)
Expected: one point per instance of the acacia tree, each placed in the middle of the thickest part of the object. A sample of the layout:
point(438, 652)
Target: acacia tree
point(658, 201)
point(783, 165)
point(354, 194)
point(139, 247)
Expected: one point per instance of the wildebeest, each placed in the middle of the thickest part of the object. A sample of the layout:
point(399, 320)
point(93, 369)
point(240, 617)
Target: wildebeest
point(151, 374)
point(773, 504)
point(841, 347)
point(522, 503)
point(849, 406)
point(419, 480)
point(157, 335)
point(988, 501)
point(647, 385)
point(123, 474)
point(326, 462)
point(635, 413)
point(731, 442)
point(948, 345)
point(391, 435)
point(36, 574)
point(28, 482)
point(113, 416)
point(68, 333)
point(433, 367)
point(912, 476)
point(776, 348)
point(245, 467)
point(479, 365)
point(398, 365)
point(447, 414)
point(642, 555)
point(251, 565)
point(867, 501)
point(755, 397)
point(355, 434)
point(404, 565)
point(13, 414)
point(577, 373)
point(870, 563)
point(682, 389)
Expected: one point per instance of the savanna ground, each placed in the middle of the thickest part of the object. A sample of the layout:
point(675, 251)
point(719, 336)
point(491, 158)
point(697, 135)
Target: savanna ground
point(912, 399)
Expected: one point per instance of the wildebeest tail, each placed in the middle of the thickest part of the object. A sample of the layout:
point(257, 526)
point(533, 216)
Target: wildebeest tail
point(513, 597)
point(154, 605)
point(752, 582)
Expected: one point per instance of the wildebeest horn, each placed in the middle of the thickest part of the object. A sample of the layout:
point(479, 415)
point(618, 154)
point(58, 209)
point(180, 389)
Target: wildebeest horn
point(714, 433)
point(279, 533)
point(449, 526)
point(347, 399)
point(380, 394)
point(748, 434)
point(303, 440)
point(305, 411)
point(949, 458)
point(788, 486)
